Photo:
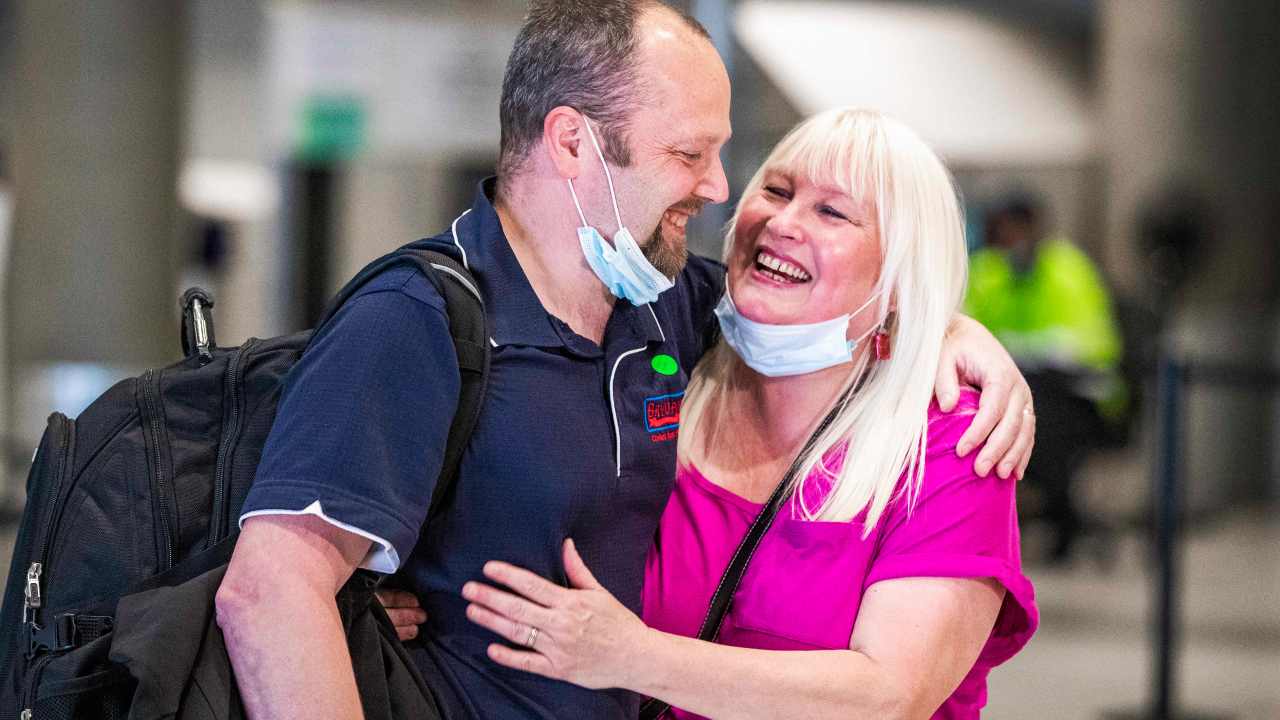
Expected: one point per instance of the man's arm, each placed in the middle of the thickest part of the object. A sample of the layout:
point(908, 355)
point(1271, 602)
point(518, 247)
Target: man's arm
point(1006, 419)
point(277, 613)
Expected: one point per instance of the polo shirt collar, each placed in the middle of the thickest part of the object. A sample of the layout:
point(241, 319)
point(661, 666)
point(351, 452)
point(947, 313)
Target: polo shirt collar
point(516, 315)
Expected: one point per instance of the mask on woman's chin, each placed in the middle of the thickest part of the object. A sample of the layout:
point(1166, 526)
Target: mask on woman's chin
point(622, 267)
point(785, 350)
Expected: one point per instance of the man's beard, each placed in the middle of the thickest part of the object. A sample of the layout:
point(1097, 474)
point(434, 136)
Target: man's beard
point(670, 255)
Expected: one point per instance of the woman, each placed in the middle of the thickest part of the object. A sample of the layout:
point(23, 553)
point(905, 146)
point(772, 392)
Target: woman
point(893, 566)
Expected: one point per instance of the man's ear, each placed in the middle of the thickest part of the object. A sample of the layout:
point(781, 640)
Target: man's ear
point(563, 136)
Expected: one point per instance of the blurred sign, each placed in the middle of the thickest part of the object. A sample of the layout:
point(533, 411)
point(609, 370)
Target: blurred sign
point(333, 128)
point(394, 82)
point(228, 190)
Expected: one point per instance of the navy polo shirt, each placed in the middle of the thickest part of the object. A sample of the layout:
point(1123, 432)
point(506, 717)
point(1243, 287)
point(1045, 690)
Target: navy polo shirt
point(574, 440)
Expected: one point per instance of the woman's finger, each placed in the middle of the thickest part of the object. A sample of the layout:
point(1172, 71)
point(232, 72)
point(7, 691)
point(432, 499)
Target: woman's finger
point(525, 660)
point(946, 385)
point(516, 633)
point(1016, 459)
point(1029, 430)
point(497, 624)
point(513, 607)
point(530, 585)
point(575, 569)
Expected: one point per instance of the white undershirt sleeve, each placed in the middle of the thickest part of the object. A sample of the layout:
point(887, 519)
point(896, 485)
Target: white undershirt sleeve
point(382, 557)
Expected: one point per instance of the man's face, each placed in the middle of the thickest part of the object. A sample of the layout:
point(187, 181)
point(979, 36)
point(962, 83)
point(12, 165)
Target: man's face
point(678, 126)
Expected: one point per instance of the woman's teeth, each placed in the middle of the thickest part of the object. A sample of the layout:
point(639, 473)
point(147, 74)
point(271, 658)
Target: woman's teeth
point(779, 269)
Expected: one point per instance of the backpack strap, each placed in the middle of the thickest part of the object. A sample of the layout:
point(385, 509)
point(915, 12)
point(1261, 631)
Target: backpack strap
point(468, 327)
point(653, 708)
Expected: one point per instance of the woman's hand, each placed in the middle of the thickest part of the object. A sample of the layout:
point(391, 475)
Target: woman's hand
point(404, 610)
point(580, 634)
point(1006, 415)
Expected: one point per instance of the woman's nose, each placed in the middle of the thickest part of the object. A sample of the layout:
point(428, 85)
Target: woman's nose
point(785, 223)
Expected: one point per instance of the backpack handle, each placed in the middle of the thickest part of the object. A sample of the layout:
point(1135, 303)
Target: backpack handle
point(197, 324)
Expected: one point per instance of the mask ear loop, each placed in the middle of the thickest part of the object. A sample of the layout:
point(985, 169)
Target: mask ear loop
point(854, 343)
point(617, 214)
point(574, 195)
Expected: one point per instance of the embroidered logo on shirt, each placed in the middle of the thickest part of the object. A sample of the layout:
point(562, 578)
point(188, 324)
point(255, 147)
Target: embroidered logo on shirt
point(662, 416)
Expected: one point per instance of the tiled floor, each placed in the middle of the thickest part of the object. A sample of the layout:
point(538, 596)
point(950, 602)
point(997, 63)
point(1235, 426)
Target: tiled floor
point(1092, 654)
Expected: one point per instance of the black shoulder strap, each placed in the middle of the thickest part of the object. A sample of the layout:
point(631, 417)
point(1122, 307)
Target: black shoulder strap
point(467, 326)
point(710, 630)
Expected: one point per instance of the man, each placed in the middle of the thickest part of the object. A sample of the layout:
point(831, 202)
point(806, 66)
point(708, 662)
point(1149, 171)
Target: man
point(1046, 301)
point(577, 434)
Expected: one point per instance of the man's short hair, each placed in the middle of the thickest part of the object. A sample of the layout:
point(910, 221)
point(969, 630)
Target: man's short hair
point(577, 53)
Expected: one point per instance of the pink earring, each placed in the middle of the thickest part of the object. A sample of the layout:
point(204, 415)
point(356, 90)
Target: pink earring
point(881, 344)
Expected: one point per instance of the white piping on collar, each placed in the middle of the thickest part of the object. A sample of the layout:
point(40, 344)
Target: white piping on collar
point(655, 321)
point(453, 229)
point(613, 407)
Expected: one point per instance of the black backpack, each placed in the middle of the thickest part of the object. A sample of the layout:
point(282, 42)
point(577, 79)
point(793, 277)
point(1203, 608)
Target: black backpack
point(147, 484)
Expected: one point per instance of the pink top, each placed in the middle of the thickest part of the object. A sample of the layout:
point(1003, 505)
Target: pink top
point(805, 583)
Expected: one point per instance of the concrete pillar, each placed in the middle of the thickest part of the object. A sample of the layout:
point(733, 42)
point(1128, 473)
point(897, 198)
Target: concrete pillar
point(95, 148)
point(1187, 98)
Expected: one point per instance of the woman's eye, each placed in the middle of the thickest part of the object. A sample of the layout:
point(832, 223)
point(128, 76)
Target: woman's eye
point(832, 212)
point(777, 191)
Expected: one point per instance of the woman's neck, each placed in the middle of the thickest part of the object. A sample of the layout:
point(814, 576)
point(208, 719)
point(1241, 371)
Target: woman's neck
point(764, 425)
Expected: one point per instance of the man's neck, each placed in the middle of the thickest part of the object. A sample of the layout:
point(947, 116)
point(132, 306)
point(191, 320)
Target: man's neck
point(543, 238)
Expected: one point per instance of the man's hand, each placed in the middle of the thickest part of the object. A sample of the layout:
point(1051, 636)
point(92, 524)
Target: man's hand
point(1006, 415)
point(405, 611)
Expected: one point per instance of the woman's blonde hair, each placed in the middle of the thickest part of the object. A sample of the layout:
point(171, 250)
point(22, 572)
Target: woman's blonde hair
point(883, 422)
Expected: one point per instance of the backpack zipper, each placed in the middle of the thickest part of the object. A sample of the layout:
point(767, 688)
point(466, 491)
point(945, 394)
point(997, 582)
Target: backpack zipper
point(33, 596)
point(151, 425)
point(230, 434)
point(29, 697)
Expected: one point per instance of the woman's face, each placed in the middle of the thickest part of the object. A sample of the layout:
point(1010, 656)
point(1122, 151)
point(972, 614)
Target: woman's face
point(804, 252)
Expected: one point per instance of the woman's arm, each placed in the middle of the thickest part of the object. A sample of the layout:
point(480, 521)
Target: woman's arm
point(913, 642)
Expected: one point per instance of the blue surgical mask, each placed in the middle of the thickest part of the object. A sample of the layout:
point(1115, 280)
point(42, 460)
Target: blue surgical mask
point(622, 267)
point(783, 350)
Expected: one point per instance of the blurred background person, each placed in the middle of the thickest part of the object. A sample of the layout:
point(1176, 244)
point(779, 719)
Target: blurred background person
point(1047, 302)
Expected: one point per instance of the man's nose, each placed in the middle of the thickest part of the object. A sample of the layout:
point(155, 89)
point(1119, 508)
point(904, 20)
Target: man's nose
point(714, 185)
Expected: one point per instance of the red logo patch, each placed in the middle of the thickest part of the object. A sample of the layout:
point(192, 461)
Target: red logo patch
point(662, 416)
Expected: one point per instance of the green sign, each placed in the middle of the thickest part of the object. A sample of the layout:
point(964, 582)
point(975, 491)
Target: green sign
point(333, 127)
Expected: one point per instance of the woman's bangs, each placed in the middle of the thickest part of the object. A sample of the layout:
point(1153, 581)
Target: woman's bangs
point(837, 152)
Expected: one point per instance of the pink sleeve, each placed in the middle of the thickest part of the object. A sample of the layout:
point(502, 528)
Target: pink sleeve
point(962, 526)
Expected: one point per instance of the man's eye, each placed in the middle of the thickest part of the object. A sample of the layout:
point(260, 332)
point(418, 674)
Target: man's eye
point(691, 157)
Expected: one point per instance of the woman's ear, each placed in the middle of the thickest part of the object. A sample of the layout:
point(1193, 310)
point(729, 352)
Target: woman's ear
point(562, 139)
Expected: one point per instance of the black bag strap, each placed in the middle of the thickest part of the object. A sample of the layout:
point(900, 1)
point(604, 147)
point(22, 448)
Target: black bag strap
point(469, 329)
point(728, 587)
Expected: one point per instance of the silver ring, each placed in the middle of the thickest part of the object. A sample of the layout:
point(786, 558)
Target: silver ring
point(533, 637)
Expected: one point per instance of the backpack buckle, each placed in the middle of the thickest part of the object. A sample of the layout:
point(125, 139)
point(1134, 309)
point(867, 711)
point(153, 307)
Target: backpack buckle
point(58, 635)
